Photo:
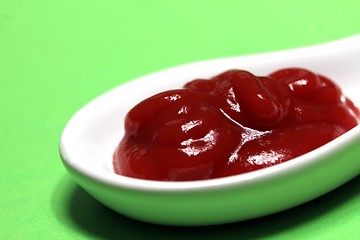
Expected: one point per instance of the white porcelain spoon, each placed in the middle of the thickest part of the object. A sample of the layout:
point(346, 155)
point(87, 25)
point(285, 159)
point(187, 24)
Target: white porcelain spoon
point(90, 138)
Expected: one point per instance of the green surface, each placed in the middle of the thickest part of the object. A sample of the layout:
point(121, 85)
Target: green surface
point(57, 55)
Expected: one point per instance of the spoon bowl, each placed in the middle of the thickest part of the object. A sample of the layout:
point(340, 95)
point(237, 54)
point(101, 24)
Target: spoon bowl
point(91, 136)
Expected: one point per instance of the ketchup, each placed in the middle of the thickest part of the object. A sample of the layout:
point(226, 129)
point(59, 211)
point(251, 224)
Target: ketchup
point(233, 123)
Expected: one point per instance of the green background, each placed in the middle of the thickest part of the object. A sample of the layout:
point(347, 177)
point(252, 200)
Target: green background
point(55, 56)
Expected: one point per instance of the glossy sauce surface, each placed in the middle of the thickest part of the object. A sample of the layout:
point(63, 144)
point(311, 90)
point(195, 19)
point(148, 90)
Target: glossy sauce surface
point(233, 123)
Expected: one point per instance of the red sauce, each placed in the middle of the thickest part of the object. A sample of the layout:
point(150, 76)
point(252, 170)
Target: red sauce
point(233, 123)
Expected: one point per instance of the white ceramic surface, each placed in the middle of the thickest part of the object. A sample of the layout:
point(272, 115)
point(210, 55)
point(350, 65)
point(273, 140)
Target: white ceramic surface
point(89, 140)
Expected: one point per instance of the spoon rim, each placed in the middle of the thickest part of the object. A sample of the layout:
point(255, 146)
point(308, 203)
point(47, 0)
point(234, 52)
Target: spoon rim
point(276, 171)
